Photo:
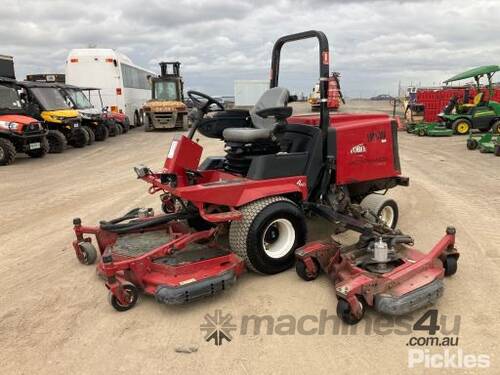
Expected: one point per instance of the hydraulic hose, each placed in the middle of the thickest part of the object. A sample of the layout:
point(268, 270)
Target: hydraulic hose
point(134, 225)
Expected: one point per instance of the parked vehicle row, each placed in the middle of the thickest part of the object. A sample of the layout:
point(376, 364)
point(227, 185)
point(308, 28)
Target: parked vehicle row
point(37, 118)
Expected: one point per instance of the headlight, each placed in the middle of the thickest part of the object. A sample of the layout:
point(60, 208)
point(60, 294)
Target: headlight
point(8, 125)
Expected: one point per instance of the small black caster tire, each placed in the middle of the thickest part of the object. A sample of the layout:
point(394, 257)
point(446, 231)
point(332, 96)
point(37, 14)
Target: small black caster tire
point(132, 295)
point(472, 144)
point(345, 314)
point(301, 269)
point(450, 265)
point(88, 253)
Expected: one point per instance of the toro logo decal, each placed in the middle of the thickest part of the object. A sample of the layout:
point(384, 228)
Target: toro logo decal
point(358, 149)
point(300, 183)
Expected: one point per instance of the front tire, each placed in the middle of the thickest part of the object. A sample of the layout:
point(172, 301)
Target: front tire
point(148, 126)
point(80, 138)
point(472, 144)
point(268, 234)
point(7, 152)
point(137, 120)
point(497, 150)
point(57, 141)
point(91, 134)
point(41, 152)
point(461, 126)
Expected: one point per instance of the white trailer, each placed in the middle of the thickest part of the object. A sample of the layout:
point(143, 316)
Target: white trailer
point(247, 92)
point(125, 87)
point(7, 67)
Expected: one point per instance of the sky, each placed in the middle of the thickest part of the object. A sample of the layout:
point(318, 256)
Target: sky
point(374, 44)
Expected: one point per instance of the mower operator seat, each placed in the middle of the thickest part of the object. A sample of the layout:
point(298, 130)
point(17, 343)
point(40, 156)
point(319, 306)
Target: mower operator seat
point(262, 127)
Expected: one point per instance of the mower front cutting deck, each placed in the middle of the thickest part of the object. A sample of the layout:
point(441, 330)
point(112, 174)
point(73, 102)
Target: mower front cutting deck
point(166, 261)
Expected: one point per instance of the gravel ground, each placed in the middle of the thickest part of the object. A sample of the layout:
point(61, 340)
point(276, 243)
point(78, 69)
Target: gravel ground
point(55, 319)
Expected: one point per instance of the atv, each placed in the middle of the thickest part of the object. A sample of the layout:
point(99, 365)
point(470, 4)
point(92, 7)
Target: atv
point(278, 169)
point(18, 133)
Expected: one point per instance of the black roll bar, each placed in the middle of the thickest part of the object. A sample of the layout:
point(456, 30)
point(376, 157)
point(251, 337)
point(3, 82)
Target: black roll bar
point(324, 72)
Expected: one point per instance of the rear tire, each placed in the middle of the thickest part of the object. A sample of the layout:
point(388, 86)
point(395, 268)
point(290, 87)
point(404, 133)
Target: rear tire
point(41, 152)
point(7, 152)
point(268, 234)
point(495, 128)
point(91, 134)
point(57, 141)
point(384, 208)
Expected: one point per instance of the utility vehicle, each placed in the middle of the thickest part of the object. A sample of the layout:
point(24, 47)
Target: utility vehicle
point(92, 118)
point(18, 132)
point(166, 108)
point(44, 102)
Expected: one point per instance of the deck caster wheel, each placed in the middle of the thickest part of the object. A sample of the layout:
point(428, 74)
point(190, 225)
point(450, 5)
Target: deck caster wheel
point(345, 314)
point(472, 144)
point(450, 265)
point(303, 272)
point(497, 150)
point(88, 253)
point(131, 294)
point(421, 132)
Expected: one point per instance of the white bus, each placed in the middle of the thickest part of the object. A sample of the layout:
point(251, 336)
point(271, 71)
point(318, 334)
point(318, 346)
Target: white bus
point(124, 86)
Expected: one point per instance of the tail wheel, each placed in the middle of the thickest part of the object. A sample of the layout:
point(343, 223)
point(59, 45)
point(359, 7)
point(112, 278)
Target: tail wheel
point(101, 133)
point(472, 144)
point(461, 126)
point(91, 134)
point(57, 141)
point(385, 209)
point(268, 234)
point(41, 152)
point(80, 138)
point(131, 295)
point(7, 152)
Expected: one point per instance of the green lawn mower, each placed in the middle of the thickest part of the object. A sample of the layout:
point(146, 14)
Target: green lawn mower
point(431, 129)
point(486, 143)
point(481, 115)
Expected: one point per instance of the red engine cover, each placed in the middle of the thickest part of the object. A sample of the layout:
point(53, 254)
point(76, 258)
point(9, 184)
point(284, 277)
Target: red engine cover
point(364, 145)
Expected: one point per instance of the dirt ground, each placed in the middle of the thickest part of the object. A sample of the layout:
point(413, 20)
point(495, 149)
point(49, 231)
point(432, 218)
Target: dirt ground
point(55, 318)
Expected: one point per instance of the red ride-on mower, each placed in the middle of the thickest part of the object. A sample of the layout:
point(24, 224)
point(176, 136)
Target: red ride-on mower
point(277, 169)
point(384, 272)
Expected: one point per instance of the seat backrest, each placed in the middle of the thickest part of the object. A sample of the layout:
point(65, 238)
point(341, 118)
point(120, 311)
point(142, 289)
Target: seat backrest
point(478, 98)
point(275, 97)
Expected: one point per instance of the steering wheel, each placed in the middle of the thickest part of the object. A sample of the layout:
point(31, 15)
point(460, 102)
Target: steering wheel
point(203, 105)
